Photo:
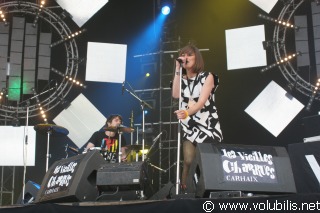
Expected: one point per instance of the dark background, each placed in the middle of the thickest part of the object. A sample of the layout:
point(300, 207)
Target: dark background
point(201, 21)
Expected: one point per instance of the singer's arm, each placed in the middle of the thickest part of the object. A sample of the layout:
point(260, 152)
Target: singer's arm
point(176, 82)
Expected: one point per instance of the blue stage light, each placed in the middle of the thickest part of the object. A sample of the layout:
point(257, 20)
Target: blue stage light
point(165, 10)
point(166, 6)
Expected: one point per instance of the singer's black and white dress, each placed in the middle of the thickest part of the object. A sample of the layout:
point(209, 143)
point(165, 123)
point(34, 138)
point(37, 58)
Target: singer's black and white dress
point(203, 126)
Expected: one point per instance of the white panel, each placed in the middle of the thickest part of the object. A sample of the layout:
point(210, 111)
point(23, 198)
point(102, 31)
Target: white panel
point(265, 5)
point(274, 109)
point(13, 146)
point(81, 118)
point(314, 166)
point(244, 47)
point(106, 62)
point(82, 10)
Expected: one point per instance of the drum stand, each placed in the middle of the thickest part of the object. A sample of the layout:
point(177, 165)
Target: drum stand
point(49, 129)
point(120, 152)
point(48, 143)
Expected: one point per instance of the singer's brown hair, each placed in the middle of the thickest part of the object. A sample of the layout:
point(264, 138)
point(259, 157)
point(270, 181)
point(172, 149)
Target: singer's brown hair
point(199, 63)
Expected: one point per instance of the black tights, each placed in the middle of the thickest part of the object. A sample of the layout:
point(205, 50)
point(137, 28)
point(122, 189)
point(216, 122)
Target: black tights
point(189, 154)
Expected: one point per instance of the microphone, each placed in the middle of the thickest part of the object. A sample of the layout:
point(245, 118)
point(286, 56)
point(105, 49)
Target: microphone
point(179, 60)
point(156, 138)
point(154, 141)
point(122, 88)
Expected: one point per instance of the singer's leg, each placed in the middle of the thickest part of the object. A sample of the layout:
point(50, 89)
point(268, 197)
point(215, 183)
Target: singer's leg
point(189, 153)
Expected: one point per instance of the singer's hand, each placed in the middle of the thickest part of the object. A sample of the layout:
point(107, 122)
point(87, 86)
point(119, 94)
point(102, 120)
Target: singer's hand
point(180, 61)
point(181, 114)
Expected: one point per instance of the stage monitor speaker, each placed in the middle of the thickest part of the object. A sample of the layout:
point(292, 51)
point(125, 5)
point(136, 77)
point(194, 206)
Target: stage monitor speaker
point(30, 193)
point(72, 179)
point(165, 192)
point(305, 158)
point(227, 167)
point(125, 176)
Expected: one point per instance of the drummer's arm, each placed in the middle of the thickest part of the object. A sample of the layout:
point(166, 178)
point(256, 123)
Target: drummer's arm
point(124, 153)
point(89, 145)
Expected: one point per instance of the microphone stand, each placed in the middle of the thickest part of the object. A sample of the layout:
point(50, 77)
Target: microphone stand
point(179, 135)
point(25, 145)
point(142, 104)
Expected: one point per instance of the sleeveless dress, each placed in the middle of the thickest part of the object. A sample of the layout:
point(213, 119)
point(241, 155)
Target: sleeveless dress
point(203, 126)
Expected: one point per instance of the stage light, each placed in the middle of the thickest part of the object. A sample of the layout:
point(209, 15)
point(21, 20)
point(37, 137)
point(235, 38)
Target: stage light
point(35, 22)
point(279, 22)
point(313, 95)
point(76, 82)
point(165, 10)
point(40, 108)
point(3, 93)
point(147, 74)
point(3, 18)
point(166, 6)
point(68, 37)
point(281, 61)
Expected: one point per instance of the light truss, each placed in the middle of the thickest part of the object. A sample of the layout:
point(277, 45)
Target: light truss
point(288, 70)
point(71, 60)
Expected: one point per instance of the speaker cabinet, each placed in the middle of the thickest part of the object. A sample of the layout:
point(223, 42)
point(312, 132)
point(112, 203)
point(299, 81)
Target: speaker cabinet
point(123, 175)
point(72, 179)
point(165, 192)
point(227, 167)
point(305, 158)
point(30, 193)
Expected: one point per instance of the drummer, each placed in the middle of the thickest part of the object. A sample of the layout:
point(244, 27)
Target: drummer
point(108, 139)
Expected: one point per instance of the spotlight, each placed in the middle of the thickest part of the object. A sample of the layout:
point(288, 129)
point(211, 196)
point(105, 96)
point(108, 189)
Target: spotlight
point(165, 10)
point(166, 6)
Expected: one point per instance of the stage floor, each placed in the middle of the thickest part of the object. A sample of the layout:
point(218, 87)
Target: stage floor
point(289, 203)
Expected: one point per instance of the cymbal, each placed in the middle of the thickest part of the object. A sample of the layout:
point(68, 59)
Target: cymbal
point(52, 128)
point(121, 128)
point(137, 147)
point(111, 129)
point(125, 129)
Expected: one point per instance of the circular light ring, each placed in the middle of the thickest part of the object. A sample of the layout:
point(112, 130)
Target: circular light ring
point(279, 36)
point(71, 63)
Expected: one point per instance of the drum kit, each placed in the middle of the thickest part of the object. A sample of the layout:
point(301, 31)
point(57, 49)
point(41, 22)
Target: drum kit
point(134, 152)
